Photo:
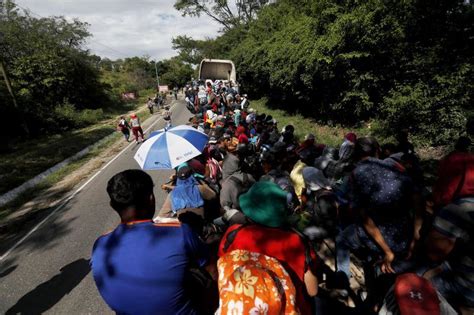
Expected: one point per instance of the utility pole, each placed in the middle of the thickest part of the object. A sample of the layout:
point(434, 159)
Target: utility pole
point(157, 77)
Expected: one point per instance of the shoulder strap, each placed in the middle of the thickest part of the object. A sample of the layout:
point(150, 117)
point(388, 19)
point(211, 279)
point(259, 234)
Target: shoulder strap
point(307, 247)
point(231, 237)
point(235, 180)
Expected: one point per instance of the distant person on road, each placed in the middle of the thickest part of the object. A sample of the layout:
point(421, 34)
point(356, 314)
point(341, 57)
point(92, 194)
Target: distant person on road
point(124, 127)
point(167, 117)
point(143, 267)
point(175, 92)
point(150, 105)
point(136, 127)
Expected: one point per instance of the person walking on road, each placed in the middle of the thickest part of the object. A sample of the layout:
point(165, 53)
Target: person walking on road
point(136, 128)
point(150, 105)
point(175, 92)
point(124, 127)
point(167, 117)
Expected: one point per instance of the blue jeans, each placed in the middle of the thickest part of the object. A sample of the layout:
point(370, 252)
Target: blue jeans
point(346, 241)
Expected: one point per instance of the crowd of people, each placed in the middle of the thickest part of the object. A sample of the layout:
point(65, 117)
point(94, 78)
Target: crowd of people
point(241, 228)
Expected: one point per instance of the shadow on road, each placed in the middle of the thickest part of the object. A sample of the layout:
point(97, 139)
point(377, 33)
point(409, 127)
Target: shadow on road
point(47, 294)
point(43, 239)
point(7, 271)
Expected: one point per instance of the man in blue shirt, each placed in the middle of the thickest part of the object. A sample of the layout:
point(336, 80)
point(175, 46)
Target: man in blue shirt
point(141, 266)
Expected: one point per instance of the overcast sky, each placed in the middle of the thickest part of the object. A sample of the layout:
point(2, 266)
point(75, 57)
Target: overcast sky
point(128, 27)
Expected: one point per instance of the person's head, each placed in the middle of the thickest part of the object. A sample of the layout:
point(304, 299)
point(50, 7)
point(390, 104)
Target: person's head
point(315, 180)
point(366, 147)
point(310, 138)
point(133, 115)
point(463, 144)
point(131, 195)
point(402, 136)
point(265, 203)
point(352, 137)
point(184, 171)
point(388, 149)
point(122, 117)
point(267, 160)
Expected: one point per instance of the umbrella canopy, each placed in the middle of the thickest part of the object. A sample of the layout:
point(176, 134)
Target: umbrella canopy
point(168, 149)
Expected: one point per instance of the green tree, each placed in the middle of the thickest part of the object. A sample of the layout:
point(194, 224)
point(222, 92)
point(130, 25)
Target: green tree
point(175, 72)
point(229, 14)
point(48, 67)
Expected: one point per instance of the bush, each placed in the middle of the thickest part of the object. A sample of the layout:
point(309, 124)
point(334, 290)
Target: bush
point(66, 117)
point(433, 116)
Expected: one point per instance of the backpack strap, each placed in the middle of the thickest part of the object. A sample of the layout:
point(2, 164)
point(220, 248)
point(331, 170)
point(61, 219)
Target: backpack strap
point(231, 237)
point(307, 247)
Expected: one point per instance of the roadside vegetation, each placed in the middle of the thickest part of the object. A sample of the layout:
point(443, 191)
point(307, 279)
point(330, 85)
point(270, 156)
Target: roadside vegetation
point(395, 64)
point(56, 98)
point(329, 135)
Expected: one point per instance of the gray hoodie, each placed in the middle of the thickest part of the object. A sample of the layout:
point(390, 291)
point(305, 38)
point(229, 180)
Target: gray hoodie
point(234, 182)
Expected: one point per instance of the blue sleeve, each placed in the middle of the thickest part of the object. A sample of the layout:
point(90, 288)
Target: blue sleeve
point(197, 249)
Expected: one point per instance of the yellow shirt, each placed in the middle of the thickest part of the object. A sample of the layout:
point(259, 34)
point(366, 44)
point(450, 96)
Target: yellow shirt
point(297, 179)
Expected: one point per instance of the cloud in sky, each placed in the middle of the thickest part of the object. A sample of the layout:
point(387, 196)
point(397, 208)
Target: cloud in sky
point(126, 28)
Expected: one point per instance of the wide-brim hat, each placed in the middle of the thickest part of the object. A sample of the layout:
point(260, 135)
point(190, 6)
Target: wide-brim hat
point(314, 179)
point(266, 204)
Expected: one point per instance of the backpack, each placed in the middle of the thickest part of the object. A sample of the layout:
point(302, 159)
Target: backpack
point(215, 170)
point(253, 283)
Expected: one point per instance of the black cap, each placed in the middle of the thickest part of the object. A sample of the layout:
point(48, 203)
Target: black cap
point(184, 172)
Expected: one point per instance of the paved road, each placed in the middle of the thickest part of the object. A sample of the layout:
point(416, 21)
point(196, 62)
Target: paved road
point(49, 272)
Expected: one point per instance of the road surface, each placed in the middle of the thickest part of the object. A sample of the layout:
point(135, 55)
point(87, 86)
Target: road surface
point(49, 272)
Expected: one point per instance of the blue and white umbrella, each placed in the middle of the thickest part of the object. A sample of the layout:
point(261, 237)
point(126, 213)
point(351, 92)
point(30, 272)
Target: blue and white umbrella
point(168, 149)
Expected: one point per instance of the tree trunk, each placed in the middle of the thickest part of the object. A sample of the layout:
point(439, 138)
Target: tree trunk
point(21, 117)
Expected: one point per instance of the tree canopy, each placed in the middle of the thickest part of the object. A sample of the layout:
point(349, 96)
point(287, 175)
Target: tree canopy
point(54, 84)
point(228, 14)
point(404, 64)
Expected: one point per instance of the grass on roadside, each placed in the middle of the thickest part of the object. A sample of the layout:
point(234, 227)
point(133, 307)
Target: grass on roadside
point(29, 158)
point(332, 136)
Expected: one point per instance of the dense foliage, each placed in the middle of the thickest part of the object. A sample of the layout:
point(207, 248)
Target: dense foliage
point(50, 83)
point(48, 71)
point(407, 64)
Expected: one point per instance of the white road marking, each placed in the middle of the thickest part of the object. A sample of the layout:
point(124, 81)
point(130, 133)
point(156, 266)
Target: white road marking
point(59, 207)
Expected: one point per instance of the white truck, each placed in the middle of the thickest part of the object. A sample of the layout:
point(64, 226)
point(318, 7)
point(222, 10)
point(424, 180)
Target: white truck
point(219, 69)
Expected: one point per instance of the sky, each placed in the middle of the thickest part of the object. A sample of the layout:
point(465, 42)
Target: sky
point(127, 28)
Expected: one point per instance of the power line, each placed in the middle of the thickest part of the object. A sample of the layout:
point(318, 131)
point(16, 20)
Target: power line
point(110, 48)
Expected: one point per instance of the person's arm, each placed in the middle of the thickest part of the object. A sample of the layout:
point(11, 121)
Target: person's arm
point(438, 246)
point(418, 205)
point(310, 280)
point(374, 232)
point(311, 283)
point(206, 192)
